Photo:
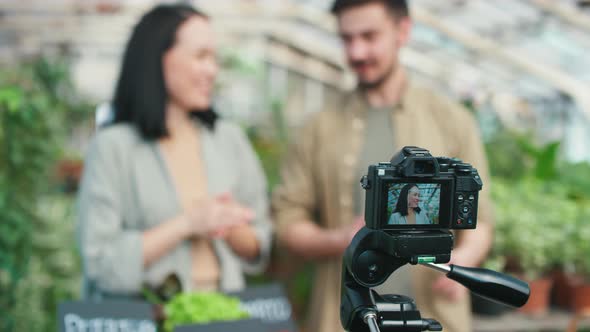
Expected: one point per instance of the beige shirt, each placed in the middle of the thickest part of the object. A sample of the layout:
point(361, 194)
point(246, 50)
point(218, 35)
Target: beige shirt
point(319, 173)
point(126, 190)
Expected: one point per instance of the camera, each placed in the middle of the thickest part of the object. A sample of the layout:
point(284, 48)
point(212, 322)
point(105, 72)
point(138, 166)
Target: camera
point(416, 191)
point(412, 203)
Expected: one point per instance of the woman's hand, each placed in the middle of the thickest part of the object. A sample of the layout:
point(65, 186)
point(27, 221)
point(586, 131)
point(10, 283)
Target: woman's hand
point(213, 217)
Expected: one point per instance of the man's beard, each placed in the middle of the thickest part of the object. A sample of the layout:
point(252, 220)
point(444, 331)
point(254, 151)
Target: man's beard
point(378, 82)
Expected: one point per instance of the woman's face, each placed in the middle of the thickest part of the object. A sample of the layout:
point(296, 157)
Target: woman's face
point(413, 197)
point(190, 65)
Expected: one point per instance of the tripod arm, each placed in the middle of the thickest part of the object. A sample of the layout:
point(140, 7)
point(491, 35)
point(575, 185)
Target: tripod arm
point(490, 284)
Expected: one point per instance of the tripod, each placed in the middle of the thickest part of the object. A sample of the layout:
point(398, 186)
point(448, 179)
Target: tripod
point(374, 255)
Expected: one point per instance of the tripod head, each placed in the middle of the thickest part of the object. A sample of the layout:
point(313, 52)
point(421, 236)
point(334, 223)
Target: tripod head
point(373, 255)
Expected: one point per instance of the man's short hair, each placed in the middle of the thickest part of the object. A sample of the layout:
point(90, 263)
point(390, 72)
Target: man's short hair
point(398, 8)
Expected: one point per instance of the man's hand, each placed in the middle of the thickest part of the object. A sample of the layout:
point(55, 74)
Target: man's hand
point(310, 241)
point(243, 241)
point(449, 288)
point(351, 230)
point(471, 250)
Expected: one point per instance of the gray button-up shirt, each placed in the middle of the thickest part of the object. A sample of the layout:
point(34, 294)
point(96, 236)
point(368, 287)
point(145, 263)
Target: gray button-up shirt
point(126, 189)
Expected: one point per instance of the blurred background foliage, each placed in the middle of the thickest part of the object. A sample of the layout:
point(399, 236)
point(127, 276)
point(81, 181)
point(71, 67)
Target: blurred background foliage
point(38, 262)
point(540, 199)
point(542, 204)
point(270, 149)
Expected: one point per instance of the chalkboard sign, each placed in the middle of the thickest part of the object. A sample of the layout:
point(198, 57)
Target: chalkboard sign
point(246, 325)
point(269, 304)
point(105, 316)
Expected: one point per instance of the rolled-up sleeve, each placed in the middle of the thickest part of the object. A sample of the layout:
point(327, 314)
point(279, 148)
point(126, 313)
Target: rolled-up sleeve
point(473, 152)
point(112, 254)
point(254, 193)
point(294, 199)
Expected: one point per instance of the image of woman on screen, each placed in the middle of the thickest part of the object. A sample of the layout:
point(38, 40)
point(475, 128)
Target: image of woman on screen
point(407, 210)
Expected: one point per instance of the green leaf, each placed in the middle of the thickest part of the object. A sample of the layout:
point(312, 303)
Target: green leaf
point(546, 163)
point(11, 97)
point(205, 307)
point(35, 103)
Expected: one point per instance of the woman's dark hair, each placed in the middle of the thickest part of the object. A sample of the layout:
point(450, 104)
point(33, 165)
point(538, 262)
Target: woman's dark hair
point(140, 97)
point(402, 201)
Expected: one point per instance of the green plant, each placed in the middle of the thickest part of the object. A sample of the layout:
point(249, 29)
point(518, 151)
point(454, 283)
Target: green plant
point(270, 148)
point(575, 177)
point(506, 158)
point(580, 238)
point(269, 152)
point(201, 308)
point(54, 267)
point(36, 241)
point(25, 151)
point(540, 203)
point(535, 224)
point(543, 159)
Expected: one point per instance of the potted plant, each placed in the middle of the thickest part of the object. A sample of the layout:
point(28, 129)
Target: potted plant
point(572, 280)
point(201, 308)
point(553, 197)
point(580, 278)
point(531, 217)
point(569, 264)
point(172, 307)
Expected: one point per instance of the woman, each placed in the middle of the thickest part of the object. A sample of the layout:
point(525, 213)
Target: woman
point(170, 188)
point(407, 211)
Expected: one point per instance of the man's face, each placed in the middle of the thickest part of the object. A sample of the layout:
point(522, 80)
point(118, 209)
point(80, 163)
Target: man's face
point(372, 39)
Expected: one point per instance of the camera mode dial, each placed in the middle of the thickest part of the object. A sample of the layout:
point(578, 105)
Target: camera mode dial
point(463, 168)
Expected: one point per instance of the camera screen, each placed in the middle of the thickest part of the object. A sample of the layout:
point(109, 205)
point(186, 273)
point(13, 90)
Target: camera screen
point(413, 204)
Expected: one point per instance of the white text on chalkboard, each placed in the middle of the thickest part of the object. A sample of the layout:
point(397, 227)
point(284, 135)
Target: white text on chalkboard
point(75, 323)
point(269, 310)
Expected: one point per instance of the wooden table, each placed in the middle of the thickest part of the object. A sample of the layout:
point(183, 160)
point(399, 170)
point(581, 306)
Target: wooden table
point(513, 321)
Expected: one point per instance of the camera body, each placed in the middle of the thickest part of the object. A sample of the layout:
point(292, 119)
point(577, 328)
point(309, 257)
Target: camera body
point(442, 192)
point(412, 203)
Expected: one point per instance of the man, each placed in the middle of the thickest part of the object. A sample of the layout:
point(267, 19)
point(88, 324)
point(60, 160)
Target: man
point(319, 205)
